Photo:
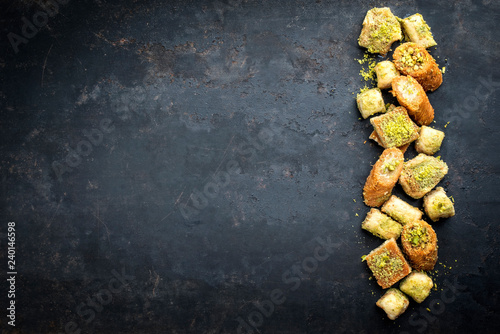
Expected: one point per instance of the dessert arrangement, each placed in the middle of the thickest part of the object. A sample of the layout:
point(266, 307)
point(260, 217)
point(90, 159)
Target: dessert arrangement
point(410, 248)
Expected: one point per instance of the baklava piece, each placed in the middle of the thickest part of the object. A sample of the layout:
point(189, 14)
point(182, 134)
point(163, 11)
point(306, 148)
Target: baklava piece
point(381, 225)
point(401, 211)
point(388, 264)
point(414, 60)
point(383, 177)
point(419, 242)
point(417, 285)
point(394, 303)
point(421, 174)
point(429, 140)
point(380, 29)
point(417, 31)
point(438, 205)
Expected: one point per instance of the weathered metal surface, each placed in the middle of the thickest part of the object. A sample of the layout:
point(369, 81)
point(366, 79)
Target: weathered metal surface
point(205, 152)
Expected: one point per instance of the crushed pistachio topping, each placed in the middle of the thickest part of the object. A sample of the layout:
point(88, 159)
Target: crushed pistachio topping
point(390, 226)
point(390, 166)
point(442, 207)
point(369, 74)
point(368, 70)
point(418, 236)
point(384, 32)
point(362, 90)
point(412, 57)
point(380, 29)
point(398, 129)
point(385, 265)
point(425, 173)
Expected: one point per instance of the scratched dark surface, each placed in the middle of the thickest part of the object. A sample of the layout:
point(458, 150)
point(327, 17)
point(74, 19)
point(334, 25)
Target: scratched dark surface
point(116, 115)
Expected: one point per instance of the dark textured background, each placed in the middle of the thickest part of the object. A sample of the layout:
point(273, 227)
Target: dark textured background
point(188, 87)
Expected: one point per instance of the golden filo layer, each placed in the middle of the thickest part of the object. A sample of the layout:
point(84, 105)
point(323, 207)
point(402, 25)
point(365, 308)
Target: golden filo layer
point(414, 60)
point(374, 136)
point(421, 174)
point(419, 242)
point(383, 176)
point(411, 95)
point(388, 264)
point(395, 128)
